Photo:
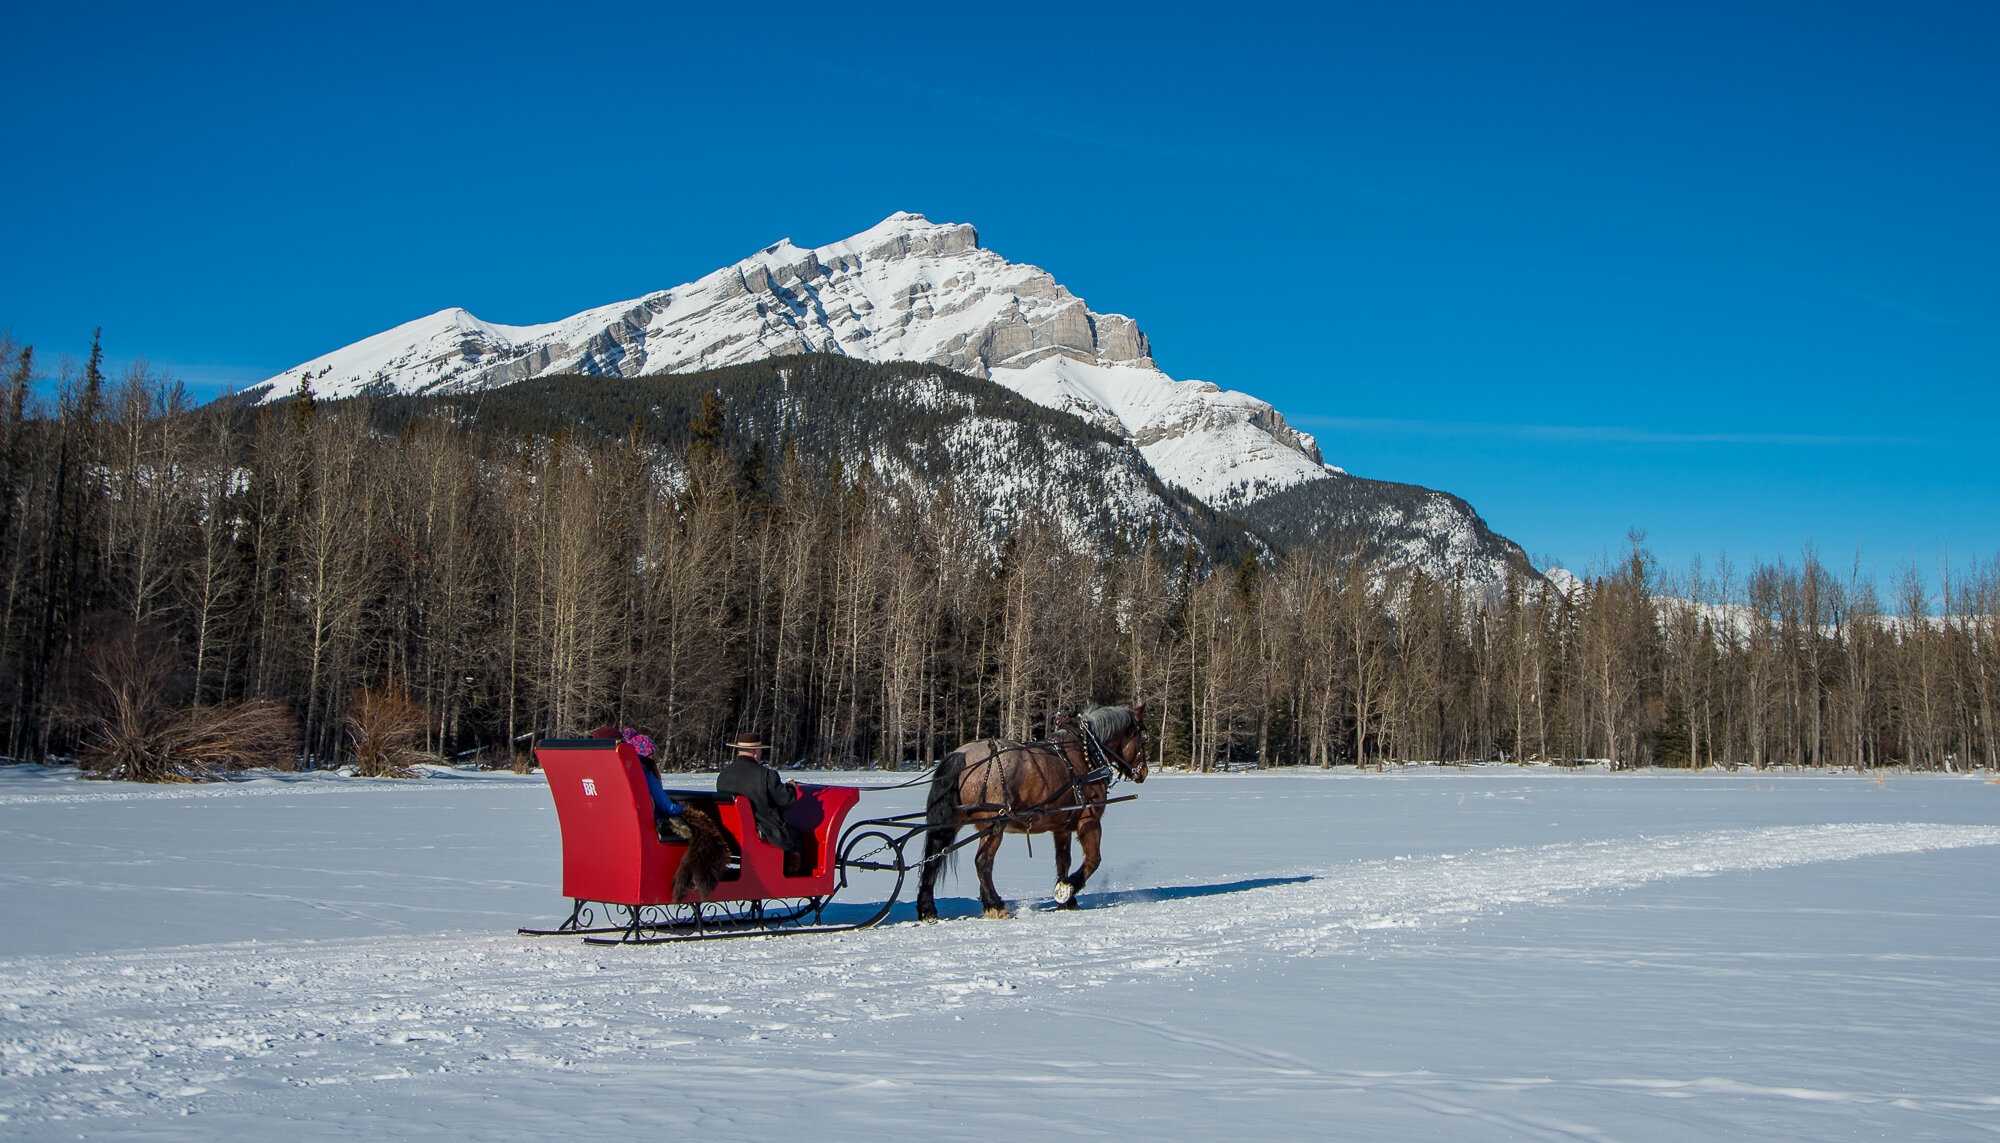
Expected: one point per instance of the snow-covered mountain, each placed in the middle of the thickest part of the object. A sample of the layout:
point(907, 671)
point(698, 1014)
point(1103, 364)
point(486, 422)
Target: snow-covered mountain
point(904, 290)
point(912, 291)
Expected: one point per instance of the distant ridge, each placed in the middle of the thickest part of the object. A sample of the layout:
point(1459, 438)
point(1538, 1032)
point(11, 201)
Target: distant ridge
point(911, 425)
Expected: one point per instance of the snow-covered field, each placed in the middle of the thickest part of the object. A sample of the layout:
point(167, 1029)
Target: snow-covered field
point(1492, 954)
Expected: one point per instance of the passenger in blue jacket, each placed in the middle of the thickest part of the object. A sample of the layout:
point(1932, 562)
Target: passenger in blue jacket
point(666, 812)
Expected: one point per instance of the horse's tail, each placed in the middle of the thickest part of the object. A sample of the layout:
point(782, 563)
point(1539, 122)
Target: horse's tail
point(941, 811)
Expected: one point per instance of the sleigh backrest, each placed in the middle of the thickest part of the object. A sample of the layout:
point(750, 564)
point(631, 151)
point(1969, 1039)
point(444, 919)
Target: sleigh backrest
point(610, 849)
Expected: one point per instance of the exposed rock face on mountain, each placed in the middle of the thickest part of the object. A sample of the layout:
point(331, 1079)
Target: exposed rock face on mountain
point(909, 290)
point(1390, 524)
point(905, 290)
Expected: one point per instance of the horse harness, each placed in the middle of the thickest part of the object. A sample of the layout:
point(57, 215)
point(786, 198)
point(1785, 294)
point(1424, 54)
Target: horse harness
point(1106, 771)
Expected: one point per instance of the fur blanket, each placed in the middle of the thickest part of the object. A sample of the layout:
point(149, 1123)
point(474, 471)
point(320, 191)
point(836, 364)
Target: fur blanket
point(706, 859)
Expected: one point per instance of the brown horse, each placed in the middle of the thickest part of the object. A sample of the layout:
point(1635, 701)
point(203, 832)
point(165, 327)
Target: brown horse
point(1058, 787)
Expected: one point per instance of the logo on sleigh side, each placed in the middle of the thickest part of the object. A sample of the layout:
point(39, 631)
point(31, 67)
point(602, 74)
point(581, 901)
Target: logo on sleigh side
point(589, 787)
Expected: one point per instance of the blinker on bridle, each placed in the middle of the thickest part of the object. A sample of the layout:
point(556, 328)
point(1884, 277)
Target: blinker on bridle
point(1105, 757)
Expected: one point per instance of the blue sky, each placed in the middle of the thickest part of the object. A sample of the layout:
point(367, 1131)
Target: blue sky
point(1729, 273)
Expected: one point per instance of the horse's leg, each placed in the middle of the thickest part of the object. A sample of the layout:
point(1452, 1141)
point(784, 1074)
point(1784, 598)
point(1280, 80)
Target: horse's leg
point(941, 815)
point(935, 840)
point(989, 846)
point(1065, 893)
point(1089, 831)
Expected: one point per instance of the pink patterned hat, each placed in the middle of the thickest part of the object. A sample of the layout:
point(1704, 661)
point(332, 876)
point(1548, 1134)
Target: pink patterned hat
point(641, 745)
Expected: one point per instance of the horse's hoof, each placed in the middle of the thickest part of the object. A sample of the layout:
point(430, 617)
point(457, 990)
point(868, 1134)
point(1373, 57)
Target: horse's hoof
point(999, 913)
point(1069, 904)
point(1065, 893)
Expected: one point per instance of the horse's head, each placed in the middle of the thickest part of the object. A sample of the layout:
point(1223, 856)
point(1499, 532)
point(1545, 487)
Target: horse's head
point(1121, 730)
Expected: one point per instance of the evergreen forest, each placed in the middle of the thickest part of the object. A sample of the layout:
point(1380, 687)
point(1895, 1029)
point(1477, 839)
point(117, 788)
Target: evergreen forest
point(377, 581)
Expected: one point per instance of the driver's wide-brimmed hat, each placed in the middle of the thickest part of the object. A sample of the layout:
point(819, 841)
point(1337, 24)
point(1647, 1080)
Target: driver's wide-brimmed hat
point(748, 742)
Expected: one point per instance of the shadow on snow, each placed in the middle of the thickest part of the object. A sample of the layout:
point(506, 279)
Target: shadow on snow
point(952, 908)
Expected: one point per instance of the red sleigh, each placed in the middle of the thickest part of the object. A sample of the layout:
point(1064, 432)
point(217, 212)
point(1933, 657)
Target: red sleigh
point(613, 858)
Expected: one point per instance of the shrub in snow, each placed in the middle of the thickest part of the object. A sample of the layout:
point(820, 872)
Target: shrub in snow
point(383, 727)
point(123, 704)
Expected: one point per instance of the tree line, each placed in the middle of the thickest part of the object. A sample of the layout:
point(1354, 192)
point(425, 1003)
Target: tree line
point(260, 585)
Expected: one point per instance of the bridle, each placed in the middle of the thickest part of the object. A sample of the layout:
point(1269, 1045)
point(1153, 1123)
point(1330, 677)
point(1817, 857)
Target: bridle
point(1105, 760)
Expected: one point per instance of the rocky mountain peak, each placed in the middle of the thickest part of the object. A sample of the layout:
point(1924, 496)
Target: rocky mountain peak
point(905, 289)
point(903, 234)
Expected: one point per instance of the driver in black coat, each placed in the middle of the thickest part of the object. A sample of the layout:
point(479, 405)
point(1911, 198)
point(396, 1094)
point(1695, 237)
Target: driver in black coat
point(770, 795)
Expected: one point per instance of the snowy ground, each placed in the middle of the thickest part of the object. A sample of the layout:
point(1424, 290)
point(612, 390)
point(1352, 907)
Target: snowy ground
point(1494, 954)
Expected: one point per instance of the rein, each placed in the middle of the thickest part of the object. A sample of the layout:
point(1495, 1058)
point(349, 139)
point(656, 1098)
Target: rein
point(916, 781)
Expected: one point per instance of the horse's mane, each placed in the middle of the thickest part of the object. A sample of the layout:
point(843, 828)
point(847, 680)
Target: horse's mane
point(1107, 721)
